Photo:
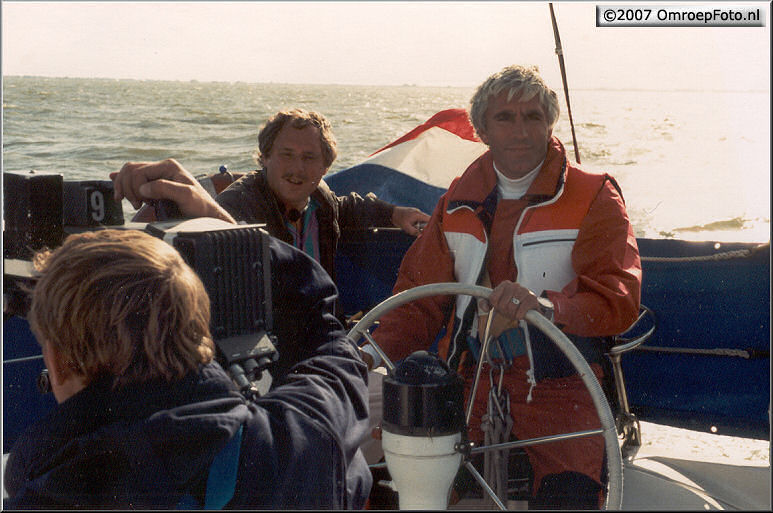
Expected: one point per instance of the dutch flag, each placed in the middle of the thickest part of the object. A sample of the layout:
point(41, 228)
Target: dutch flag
point(416, 169)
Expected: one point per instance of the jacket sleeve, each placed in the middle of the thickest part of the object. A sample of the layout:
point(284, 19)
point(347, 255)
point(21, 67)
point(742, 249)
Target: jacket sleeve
point(415, 325)
point(302, 300)
point(303, 447)
point(232, 202)
point(604, 297)
point(355, 211)
point(243, 200)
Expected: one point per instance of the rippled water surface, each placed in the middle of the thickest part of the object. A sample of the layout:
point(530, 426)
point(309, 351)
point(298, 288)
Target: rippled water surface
point(692, 165)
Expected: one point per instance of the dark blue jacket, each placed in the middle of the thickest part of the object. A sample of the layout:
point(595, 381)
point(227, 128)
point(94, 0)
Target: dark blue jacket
point(151, 445)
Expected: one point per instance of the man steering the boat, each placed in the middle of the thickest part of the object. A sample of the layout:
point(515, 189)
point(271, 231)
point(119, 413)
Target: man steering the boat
point(295, 150)
point(547, 236)
point(147, 420)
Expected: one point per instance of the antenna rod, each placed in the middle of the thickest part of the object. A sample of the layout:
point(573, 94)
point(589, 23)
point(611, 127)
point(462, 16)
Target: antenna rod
point(560, 53)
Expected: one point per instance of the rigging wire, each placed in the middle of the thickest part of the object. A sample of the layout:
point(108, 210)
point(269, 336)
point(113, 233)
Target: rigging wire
point(560, 54)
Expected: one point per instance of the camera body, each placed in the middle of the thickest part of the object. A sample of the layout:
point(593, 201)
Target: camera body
point(232, 261)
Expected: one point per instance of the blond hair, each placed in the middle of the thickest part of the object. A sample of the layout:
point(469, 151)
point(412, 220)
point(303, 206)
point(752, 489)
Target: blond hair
point(121, 303)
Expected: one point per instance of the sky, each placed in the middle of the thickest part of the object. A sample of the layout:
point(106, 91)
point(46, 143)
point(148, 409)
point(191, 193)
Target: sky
point(377, 43)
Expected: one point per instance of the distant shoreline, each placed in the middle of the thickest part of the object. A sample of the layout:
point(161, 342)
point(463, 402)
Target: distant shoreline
point(428, 86)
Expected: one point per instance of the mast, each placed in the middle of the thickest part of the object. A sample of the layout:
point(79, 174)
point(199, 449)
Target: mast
point(560, 53)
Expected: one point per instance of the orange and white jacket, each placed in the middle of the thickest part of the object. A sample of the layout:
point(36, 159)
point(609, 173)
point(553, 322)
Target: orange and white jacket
point(572, 240)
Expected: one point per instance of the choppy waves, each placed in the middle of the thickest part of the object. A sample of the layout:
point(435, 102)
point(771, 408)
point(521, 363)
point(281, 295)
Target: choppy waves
point(690, 164)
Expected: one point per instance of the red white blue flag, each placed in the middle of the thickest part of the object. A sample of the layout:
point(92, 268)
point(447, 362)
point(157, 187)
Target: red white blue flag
point(417, 168)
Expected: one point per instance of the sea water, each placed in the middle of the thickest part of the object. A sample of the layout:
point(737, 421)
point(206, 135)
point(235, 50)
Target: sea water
point(692, 164)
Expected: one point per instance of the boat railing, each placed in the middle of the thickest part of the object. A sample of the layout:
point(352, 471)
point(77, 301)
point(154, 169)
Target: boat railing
point(640, 331)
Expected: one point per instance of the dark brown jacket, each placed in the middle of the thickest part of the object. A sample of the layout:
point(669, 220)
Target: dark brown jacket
point(251, 200)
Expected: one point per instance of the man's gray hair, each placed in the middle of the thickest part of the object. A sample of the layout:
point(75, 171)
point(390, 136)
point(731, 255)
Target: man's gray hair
point(522, 83)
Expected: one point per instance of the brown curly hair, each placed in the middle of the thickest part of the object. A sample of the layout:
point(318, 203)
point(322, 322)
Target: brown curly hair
point(298, 118)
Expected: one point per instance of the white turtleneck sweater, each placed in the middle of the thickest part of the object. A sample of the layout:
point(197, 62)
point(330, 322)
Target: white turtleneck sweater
point(515, 188)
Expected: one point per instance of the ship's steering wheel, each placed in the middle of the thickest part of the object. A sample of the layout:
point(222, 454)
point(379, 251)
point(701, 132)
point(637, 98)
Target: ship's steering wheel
point(608, 430)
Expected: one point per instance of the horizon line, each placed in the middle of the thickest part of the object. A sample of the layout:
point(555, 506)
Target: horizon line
point(343, 84)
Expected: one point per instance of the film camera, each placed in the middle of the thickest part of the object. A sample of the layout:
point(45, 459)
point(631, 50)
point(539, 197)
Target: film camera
point(232, 261)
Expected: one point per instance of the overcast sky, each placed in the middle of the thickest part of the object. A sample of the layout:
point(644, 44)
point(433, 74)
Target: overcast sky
point(382, 43)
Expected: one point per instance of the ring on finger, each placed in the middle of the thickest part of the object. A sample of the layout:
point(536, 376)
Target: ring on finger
point(515, 301)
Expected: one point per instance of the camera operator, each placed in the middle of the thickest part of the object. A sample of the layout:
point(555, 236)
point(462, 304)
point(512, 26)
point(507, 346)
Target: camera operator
point(146, 418)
